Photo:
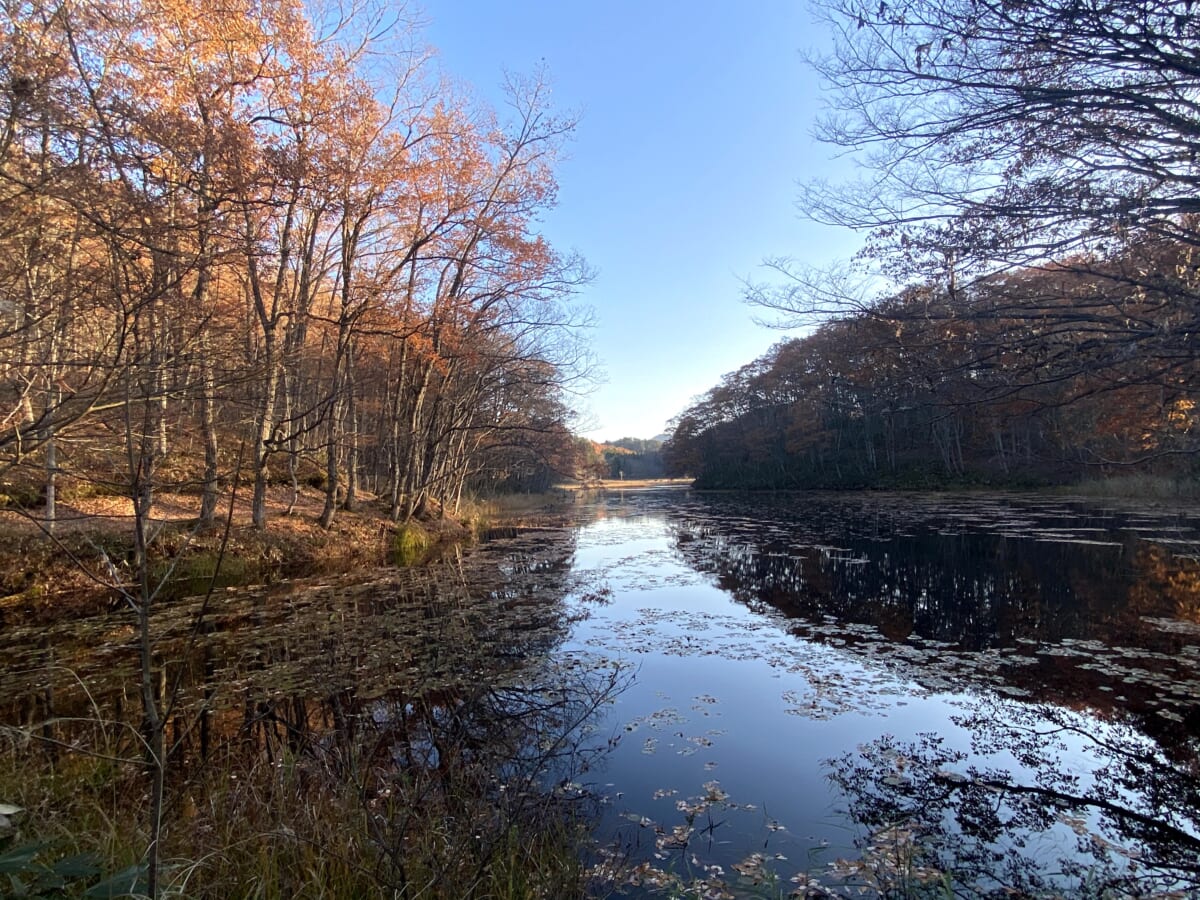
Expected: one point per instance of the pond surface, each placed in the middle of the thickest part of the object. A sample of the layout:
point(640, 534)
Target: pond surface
point(989, 693)
point(831, 694)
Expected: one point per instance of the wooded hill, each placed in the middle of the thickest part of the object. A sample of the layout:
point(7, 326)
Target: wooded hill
point(634, 458)
point(237, 237)
point(1027, 302)
point(1042, 375)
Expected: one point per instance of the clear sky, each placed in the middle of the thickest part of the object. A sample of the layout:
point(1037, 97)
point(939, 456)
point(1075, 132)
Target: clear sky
point(694, 130)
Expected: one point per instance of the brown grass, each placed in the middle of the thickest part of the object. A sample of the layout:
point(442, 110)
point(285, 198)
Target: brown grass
point(44, 577)
point(614, 484)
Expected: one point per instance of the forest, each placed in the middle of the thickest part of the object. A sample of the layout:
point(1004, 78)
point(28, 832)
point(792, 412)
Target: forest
point(1040, 376)
point(261, 252)
point(1024, 309)
point(266, 242)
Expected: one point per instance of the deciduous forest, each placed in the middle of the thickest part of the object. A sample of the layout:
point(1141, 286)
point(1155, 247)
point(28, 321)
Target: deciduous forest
point(280, 322)
point(264, 238)
point(1024, 309)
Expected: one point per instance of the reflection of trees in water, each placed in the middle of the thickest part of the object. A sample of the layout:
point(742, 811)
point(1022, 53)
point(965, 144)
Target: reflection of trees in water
point(1084, 627)
point(976, 590)
point(449, 709)
point(260, 652)
point(1079, 624)
point(1167, 584)
point(1129, 826)
point(491, 760)
point(425, 695)
point(976, 571)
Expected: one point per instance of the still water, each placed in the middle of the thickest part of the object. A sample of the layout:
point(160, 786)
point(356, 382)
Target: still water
point(980, 694)
point(832, 694)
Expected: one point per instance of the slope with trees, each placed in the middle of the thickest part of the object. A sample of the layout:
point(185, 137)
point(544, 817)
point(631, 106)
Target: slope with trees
point(271, 229)
point(1026, 303)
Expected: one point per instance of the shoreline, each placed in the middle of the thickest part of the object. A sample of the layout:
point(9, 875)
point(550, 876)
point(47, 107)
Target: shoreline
point(46, 577)
point(43, 577)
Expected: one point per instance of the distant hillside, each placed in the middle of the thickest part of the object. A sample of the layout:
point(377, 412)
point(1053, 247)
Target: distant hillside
point(631, 457)
point(637, 445)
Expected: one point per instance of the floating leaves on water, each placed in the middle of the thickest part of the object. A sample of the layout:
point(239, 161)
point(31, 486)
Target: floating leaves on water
point(857, 604)
point(752, 867)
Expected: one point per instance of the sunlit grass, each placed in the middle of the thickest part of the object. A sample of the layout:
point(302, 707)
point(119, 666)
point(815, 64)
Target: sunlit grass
point(411, 544)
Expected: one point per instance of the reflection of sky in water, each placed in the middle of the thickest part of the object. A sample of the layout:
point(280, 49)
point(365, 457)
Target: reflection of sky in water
point(725, 693)
point(769, 635)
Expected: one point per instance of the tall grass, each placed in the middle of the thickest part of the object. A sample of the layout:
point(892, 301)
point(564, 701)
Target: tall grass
point(298, 828)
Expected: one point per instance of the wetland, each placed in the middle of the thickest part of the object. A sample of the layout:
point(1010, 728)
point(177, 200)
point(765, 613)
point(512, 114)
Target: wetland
point(710, 695)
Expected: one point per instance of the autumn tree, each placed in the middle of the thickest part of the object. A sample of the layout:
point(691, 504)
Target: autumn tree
point(1002, 141)
point(252, 224)
point(919, 389)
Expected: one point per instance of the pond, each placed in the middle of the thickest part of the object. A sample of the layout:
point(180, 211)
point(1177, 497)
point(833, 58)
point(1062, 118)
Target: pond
point(974, 693)
point(828, 694)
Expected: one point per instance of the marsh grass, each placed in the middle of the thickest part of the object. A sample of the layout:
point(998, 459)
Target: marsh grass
point(313, 825)
point(483, 514)
point(411, 544)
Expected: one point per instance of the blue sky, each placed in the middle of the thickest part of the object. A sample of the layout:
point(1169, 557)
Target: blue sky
point(695, 123)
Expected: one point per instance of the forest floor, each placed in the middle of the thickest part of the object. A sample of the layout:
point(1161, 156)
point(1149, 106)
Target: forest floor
point(44, 576)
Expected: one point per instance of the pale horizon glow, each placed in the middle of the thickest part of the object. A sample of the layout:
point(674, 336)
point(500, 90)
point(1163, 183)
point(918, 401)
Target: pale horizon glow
point(694, 129)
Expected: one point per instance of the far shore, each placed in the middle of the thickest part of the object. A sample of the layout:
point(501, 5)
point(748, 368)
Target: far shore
point(616, 484)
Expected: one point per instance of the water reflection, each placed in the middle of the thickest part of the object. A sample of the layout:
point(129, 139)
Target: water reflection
point(251, 654)
point(1005, 689)
point(1005, 572)
point(979, 695)
point(1126, 824)
point(1079, 607)
point(433, 707)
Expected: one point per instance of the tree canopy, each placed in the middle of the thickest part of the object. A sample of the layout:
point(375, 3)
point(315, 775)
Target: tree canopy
point(1012, 131)
point(259, 223)
point(1029, 171)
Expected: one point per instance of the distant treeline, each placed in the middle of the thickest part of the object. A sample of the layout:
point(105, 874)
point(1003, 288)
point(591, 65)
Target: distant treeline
point(624, 458)
point(1041, 375)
